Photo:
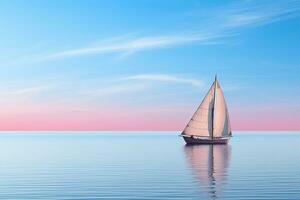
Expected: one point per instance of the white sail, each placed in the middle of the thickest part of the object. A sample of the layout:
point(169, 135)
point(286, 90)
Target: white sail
point(211, 119)
point(201, 122)
point(221, 124)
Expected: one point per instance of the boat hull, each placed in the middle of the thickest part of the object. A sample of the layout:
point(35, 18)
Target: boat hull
point(193, 141)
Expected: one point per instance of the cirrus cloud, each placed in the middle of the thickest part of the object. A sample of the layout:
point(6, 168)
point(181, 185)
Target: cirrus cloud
point(224, 22)
point(165, 78)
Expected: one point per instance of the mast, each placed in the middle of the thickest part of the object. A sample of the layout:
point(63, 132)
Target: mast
point(213, 110)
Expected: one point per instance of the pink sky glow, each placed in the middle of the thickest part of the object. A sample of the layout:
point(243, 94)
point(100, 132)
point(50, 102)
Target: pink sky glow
point(50, 119)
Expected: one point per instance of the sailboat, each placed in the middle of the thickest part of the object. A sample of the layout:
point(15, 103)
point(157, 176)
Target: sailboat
point(210, 123)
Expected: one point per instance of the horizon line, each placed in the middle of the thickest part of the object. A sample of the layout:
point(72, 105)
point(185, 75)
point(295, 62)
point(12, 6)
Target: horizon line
point(134, 131)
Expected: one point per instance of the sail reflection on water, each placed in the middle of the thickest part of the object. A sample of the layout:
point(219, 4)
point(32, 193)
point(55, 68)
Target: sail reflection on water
point(209, 164)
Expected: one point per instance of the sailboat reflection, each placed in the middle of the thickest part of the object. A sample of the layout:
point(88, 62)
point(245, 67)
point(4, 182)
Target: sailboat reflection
point(209, 164)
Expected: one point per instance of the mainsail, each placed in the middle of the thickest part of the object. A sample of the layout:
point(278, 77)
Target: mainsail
point(211, 118)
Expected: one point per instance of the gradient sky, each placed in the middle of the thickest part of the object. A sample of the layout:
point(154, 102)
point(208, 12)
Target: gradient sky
point(145, 65)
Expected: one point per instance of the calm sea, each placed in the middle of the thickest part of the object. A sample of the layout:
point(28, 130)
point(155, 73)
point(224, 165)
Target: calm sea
point(148, 165)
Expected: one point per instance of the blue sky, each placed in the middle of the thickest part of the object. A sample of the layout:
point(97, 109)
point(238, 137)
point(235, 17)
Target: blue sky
point(148, 57)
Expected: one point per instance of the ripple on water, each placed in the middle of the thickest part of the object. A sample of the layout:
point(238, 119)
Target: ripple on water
point(149, 166)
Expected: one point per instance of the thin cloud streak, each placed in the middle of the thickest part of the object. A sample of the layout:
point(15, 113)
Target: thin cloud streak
point(227, 23)
point(131, 46)
point(126, 87)
point(22, 92)
point(254, 13)
point(120, 86)
point(165, 78)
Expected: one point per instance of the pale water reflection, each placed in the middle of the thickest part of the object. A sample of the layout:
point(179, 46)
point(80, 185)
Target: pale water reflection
point(209, 164)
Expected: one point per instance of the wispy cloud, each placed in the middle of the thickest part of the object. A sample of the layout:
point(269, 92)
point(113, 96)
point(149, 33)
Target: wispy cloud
point(259, 12)
point(130, 46)
point(22, 92)
point(223, 23)
point(165, 78)
point(125, 85)
point(105, 89)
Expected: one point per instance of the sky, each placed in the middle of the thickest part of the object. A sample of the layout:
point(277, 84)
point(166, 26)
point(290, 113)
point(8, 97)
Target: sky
point(146, 65)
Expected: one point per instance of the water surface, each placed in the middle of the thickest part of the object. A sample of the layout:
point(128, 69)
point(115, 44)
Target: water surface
point(152, 165)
